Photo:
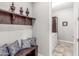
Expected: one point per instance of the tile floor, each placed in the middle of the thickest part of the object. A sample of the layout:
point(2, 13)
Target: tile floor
point(63, 49)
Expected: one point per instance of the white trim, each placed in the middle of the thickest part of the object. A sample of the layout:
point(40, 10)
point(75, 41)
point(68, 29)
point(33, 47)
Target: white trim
point(40, 54)
point(66, 41)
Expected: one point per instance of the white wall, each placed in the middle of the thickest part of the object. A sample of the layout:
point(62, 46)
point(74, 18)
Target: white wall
point(65, 32)
point(41, 26)
point(25, 5)
point(10, 33)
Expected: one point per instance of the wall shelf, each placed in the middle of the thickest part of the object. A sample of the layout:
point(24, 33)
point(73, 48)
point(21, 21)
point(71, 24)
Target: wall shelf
point(7, 17)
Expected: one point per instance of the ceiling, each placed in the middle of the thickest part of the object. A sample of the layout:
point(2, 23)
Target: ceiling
point(61, 5)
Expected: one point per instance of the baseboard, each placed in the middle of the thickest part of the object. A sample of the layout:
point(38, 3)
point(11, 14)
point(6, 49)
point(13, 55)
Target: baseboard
point(66, 41)
point(40, 54)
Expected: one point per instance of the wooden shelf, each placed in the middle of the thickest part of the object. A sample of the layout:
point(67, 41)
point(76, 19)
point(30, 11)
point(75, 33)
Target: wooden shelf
point(7, 17)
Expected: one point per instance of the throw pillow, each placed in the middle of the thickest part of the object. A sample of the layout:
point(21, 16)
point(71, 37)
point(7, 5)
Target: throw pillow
point(4, 50)
point(13, 48)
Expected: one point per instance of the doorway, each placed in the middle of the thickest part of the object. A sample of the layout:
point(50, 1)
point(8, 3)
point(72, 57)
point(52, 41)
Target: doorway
point(64, 14)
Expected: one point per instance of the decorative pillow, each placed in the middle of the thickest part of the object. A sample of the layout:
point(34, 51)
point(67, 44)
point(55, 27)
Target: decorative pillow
point(4, 50)
point(25, 44)
point(32, 41)
point(14, 48)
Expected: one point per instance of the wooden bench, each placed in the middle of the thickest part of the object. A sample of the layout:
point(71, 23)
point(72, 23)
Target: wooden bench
point(33, 51)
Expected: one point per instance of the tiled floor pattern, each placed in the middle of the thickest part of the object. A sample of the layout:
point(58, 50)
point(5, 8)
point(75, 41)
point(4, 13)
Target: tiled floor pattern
point(63, 49)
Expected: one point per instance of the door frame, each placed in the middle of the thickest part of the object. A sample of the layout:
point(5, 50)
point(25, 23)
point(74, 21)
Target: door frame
point(75, 27)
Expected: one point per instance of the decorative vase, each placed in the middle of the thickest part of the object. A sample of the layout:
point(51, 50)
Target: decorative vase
point(12, 7)
point(27, 12)
point(21, 11)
